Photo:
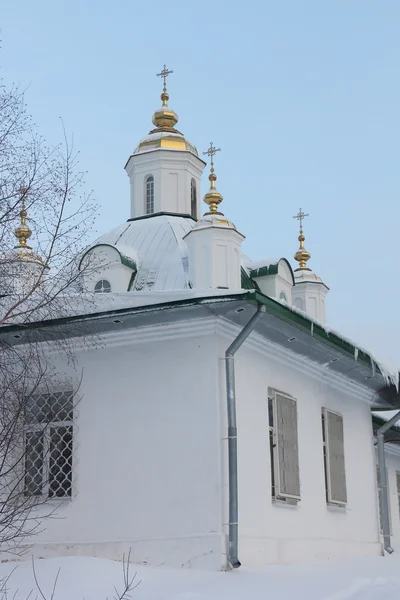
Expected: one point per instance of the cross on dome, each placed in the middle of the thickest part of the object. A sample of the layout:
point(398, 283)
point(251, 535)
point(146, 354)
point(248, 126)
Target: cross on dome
point(302, 255)
point(210, 152)
point(164, 74)
point(300, 216)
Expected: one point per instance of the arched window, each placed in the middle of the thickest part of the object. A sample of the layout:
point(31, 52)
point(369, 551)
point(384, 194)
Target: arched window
point(102, 287)
point(149, 195)
point(193, 199)
point(282, 296)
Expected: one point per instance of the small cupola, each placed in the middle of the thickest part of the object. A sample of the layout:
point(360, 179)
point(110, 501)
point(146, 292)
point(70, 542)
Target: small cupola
point(22, 270)
point(309, 291)
point(214, 243)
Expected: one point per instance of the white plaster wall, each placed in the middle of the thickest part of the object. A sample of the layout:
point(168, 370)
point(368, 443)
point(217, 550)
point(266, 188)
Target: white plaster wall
point(214, 257)
point(310, 297)
point(276, 533)
point(104, 262)
point(173, 172)
point(146, 447)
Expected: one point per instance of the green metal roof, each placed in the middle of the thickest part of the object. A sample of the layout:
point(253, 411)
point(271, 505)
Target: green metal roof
point(247, 282)
point(271, 269)
point(125, 260)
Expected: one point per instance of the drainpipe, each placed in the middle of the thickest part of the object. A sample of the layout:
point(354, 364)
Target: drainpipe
point(380, 436)
point(233, 554)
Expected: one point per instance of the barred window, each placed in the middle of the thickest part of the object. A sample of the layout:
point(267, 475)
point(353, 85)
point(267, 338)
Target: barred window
point(48, 444)
point(334, 464)
point(283, 437)
point(149, 195)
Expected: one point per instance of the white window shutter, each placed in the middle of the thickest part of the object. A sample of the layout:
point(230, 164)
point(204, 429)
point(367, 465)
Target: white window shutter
point(398, 487)
point(336, 473)
point(378, 480)
point(287, 455)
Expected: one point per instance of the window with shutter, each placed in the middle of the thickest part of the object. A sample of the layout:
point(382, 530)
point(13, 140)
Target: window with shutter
point(335, 473)
point(378, 483)
point(398, 488)
point(284, 447)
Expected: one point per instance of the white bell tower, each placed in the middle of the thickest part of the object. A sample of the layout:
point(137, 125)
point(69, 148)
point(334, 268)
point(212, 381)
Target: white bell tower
point(165, 169)
point(214, 244)
point(309, 291)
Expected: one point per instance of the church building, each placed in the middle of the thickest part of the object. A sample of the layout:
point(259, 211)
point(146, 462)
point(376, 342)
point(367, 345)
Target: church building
point(219, 422)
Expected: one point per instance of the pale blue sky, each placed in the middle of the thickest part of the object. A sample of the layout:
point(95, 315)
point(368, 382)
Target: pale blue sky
point(302, 96)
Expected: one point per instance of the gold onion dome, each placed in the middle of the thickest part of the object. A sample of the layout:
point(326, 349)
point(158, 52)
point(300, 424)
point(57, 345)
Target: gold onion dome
point(165, 135)
point(23, 233)
point(213, 199)
point(302, 255)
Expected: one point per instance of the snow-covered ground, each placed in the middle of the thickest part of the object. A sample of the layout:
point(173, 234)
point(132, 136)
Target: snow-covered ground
point(94, 579)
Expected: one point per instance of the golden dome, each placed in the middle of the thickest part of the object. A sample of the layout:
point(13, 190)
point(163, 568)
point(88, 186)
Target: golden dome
point(170, 140)
point(213, 198)
point(23, 233)
point(165, 117)
point(165, 135)
point(302, 255)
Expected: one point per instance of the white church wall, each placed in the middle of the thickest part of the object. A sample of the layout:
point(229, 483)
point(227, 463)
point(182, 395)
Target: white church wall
point(104, 263)
point(173, 172)
point(146, 440)
point(272, 532)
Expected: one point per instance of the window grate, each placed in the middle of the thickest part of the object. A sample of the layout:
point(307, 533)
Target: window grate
point(49, 444)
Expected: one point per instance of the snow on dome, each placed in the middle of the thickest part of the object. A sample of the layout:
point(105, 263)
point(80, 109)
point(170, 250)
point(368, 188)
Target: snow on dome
point(168, 140)
point(156, 245)
point(307, 276)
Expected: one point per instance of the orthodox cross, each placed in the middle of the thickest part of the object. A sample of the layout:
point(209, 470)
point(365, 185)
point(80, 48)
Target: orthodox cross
point(164, 74)
point(300, 216)
point(210, 152)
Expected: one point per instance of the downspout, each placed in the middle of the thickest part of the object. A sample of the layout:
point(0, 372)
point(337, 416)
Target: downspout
point(233, 547)
point(380, 436)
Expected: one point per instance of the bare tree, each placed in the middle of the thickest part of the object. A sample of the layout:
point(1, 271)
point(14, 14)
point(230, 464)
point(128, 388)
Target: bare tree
point(45, 221)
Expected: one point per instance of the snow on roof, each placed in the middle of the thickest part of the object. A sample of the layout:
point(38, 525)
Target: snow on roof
point(386, 415)
point(157, 246)
point(258, 264)
point(390, 372)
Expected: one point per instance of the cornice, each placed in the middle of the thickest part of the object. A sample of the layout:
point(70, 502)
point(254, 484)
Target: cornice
point(149, 334)
point(298, 364)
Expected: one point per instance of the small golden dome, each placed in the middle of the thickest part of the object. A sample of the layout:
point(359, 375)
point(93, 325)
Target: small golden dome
point(212, 198)
point(165, 118)
point(23, 233)
point(302, 255)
